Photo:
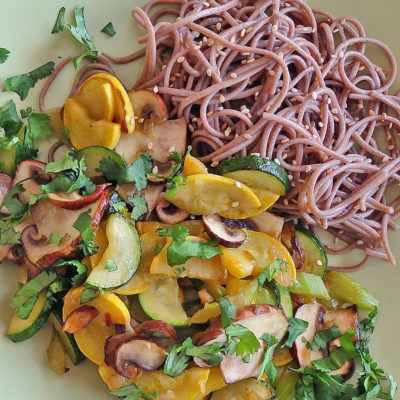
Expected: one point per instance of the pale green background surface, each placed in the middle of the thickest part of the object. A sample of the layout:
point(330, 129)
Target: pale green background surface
point(25, 27)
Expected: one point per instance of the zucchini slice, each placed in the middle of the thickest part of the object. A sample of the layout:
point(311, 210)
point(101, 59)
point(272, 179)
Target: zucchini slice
point(256, 172)
point(309, 285)
point(22, 329)
point(93, 155)
point(315, 259)
point(67, 339)
point(283, 297)
point(246, 389)
point(161, 302)
point(123, 250)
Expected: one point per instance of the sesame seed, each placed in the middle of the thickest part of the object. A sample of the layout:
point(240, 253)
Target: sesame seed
point(210, 42)
point(341, 54)
point(335, 111)
point(238, 184)
point(274, 29)
point(333, 56)
point(209, 71)
point(191, 216)
point(329, 171)
point(384, 116)
point(277, 161)
point(141, 120)
point(221, 53)
point(150, 145)
point(243, 62)
point(280, 54)
point(250, 60)
point(214, 164)
point(196, 34)
point(242, 32)
point(341, 232)
point(271, 72)
point(163, 67)
point(171, 149)
point(155, 170)
point(257, 155)
point(181, 59)
point(232, 40)
point(210, 113)
point(314, 95)
point(197, 47)
point(307, 126)
point(247, 136)
point(308, 168)
point(390, 125)
point(285, 202)
point(371, 113)
point(295, 90)
point(194, 119)
point(207, 4)
point(228, 130)
point(284, 140)
point(218, 26)
point(349, 179)
point(319, 262)
point(191, 128)
point(249, 29)
point(155, 89)
point(233, 75)
point(320, 124)
point(360, 242)
point(301, 180)
point(290, 177)
point(378, 69)
point(284, 155)
point(390, 147)
point(235, 204)
point(329, 100)
point(294, 162)
point(388, 138)
point(222, 98)
point(220, 108)
point(256, 94)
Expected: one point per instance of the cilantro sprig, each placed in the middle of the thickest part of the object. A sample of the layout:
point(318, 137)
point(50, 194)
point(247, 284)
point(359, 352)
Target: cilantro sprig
point(139, 204)
point(132, 392)
point(295, 329)
point(109, 29)
point(3, 55)
point(8, 235)
point(84, 225)
point(78, 32)
point(180, 249)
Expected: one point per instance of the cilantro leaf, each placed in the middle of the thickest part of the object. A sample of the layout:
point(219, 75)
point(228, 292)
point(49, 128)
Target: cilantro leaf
point(270, 271)
point(267, 366)
point(110, 266)
point(241, 340)
point(180, 249)
point(84, 225)
point(3, 55)
point(56, 238)
point(38, 127)
point(139, 204)
point(79, 32)
point(296, 328)
point(136, 172)
point(207, 353)
point(88, 294)
point(24, 152)
point(119, 206)
point(21, 84)
point(9, 119)
point(174, 183)
point(81, 269)
point(67, 162)
point(26, 113)
point(228, 311)
point(132, 392)
point(8, 235)
point(109, 30)
point(22, 299)
point(323, 337)
point(157, 249)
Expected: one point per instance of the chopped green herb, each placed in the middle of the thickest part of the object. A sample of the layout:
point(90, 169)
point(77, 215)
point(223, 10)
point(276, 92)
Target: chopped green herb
point(88, 294)
point(119, 206)
point(228, 311)
point(241, 340)
point(21, 84)
point(158, 248)
point(79, 32)
point(80, 276)
point(9, 119)
point(179, 271)
point(26, 113)
point(8, 235)
point(132, 392)
point(38, 127)
point(84, 225)
point(110, 266)
point(296, 328)
point(109, 30)
point(3, 55)
point(269, 272)
point(268, 367)
point(24, 152)
point(323, 337)
point(136, 172)
point(57, 237)
point(180, 249)
point(139, 204)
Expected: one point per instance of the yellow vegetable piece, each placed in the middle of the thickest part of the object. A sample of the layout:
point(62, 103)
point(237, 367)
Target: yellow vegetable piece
point(56, 354)
point(187, 386)
point(123, 111)
point(98, 99)
point(85, 131)
point(239, 262)
point(210, 310)
point(205, 194)
point(247, 389)
point(193, 166)
point(281, 356)
point(56, 123)
point(266, 197)
point(214, 288)
point(22, 275)
point(195, 267)
point(86, 261)
point(91, 339)
point(101, 241)
point(140, 282)
point(215, 380)
point(195, 227)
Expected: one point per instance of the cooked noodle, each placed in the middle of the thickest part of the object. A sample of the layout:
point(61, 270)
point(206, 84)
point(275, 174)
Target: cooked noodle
point(294, 85)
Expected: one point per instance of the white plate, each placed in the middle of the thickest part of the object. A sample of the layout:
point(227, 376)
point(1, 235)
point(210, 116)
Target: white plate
point(25, 30)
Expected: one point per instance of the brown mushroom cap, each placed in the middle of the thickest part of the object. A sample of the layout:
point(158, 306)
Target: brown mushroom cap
point(169, 214)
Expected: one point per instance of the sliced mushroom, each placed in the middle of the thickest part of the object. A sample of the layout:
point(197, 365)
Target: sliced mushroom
point(30, 169)
point(312, 313)
point(138, 352)
point(266, 222)
point(111, 345)
point(74, 201)
point(289, 240)
point(163, 334)
point(50, 218)
point(228, 234)
point(79, 318)
point(169, 214)
point(16, 255)
point(259, 319)
point(5, 186)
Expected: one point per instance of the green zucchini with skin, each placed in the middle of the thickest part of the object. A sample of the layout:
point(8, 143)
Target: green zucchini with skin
point(22, 329)
point(309, 285)
point(283, 298)
point(67, 339)
point(256, 172)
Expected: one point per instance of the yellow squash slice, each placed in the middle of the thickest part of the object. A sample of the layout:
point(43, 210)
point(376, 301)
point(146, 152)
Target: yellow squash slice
point(193, 166)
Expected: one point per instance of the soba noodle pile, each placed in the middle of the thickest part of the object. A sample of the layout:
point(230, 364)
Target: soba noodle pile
point(292, 84)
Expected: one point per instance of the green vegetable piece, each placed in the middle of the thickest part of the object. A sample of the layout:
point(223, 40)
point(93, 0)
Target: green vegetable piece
point(270, 271)
point(110, 266)
point(88, 294)
point(268, 367)
point(296, 328)
point(56, 238)
point(84, 225)
point(9, 120)
point(309, 285)
point(139, 204)
point(8, 235)
point(3, 55)
point(132, 392)
point(323, 337)
point(109, 30)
